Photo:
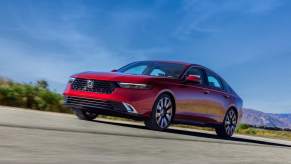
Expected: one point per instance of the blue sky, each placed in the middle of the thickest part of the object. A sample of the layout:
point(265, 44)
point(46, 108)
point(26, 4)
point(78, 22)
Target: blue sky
point(248, 42)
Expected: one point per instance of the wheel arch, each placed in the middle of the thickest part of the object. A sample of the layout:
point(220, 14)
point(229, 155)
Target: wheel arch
point(172, 96)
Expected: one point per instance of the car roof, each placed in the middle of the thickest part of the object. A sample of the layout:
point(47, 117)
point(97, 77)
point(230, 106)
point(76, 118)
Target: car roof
point(170, 61)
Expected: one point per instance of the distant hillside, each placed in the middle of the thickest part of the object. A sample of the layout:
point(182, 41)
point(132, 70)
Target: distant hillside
point(258, 118)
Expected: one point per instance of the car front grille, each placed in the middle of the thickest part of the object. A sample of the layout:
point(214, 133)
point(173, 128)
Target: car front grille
point(104, 87)
point(89, 103)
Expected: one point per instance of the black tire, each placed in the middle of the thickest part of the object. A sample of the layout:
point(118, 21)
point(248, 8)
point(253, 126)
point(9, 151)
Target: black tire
point(162, 113)
point(83, 114)
point(227, 129)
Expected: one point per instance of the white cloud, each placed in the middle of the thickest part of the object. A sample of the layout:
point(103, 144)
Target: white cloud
point(53, 47)
point(22, 62)
point(64, 50)
point(199, 15)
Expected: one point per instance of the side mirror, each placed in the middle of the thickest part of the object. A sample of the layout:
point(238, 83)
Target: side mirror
point(193, 79)
point(114, 70)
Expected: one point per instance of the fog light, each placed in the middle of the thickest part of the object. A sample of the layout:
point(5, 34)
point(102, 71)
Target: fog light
point(129, 108)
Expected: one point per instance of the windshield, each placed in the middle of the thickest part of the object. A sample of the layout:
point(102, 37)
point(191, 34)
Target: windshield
point(160, 69)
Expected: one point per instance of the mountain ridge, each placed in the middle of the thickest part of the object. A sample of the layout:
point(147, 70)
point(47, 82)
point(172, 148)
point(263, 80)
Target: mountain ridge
point(260, 119)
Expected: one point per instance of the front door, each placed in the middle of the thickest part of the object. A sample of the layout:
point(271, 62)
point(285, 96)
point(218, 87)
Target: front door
point(193, 99)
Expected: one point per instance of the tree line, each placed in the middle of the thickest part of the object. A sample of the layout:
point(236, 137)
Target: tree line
point(31, 95)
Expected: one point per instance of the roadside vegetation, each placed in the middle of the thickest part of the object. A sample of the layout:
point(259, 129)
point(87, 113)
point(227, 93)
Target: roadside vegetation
point(253, 131)
point(37, 96)
point(32, 96)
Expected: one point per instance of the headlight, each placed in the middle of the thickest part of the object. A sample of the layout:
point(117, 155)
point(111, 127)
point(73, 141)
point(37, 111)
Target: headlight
point(71, 80)
point(134, 85)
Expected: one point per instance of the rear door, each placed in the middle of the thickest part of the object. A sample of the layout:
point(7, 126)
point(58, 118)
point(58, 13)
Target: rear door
point(218, 97)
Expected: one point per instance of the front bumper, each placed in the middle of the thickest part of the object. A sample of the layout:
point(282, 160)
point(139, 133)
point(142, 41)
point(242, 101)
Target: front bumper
point(121, 100)
point(102, 107)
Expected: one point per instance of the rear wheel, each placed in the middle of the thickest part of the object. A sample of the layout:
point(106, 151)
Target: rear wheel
point(162, 113)
point(83, 114)
point(227, 129)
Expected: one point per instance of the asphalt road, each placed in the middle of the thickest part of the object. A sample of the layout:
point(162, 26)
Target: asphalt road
point(42, 137)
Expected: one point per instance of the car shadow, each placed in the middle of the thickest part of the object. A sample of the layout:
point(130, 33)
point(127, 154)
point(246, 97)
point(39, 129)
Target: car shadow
point(198, 134)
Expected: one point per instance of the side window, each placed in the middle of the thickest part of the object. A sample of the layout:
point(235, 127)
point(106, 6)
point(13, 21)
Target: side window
point(197, 72)
point(157, 72)
point(214, 81)
point(138, 70)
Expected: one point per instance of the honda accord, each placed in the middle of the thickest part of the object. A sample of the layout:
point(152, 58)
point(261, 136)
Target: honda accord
point(159, 93)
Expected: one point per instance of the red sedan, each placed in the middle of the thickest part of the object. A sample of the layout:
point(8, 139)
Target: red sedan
point(158, 92)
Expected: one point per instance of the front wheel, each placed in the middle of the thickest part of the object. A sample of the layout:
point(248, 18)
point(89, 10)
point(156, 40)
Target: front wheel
point(227, 129)
point(162, 113)
point(83, 114)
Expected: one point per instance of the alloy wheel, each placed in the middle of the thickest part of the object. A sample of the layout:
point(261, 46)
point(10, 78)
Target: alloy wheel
point(230, 122)
point(164, 112)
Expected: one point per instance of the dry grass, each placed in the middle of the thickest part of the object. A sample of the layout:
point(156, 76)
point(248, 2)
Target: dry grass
point(276, 134)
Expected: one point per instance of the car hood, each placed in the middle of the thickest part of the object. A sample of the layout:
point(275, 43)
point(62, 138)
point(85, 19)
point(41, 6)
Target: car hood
point(114, 76)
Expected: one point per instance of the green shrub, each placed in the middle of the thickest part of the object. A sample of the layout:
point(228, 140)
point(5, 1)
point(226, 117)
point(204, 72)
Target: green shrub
point(243, 126)
point(31, 96)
